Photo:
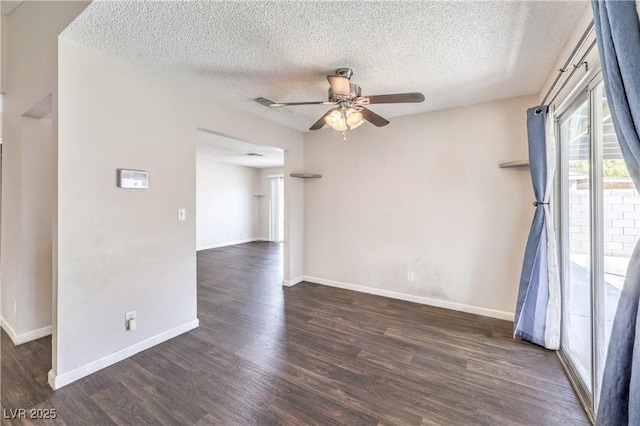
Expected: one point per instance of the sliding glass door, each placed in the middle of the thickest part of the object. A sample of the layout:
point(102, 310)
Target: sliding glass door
point(576, 239)
point(600, 225)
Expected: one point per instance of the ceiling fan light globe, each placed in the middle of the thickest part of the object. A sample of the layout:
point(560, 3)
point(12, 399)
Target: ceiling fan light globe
point(336, 120)
point(354, 118)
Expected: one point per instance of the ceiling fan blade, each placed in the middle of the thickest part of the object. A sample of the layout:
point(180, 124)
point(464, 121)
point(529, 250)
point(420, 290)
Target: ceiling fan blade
point(270, 103)
point(397, 98)
point(339, 85)
point(373, 118)
point(264, 101)
point(321, 122)
point(279, 104)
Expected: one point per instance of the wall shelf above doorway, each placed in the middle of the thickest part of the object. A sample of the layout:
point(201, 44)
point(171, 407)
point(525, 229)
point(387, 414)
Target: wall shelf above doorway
point(516, 163)
point(305, 175)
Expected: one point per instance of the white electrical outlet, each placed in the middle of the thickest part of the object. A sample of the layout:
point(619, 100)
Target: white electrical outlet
point(15, 308)
point(130, 320)
point(410, 276)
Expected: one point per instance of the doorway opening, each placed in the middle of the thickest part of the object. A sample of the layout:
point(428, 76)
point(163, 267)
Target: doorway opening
point(240, 195)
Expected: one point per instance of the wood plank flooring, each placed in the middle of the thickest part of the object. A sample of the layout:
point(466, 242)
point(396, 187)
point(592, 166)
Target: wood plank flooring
point(308, 354)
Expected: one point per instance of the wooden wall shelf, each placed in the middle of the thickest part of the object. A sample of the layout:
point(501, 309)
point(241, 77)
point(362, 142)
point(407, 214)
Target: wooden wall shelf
point(305, 175)
point(517, 163)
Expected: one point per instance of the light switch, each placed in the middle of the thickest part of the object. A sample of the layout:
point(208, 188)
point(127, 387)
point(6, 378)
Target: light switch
point(182, 214)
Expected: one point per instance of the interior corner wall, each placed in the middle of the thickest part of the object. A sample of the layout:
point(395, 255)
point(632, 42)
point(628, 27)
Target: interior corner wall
point(121, 250)
point(4, 51)
point(37, 172)
point(423, 195)
point(227, 212)
point(29, 68)
point(265, 200)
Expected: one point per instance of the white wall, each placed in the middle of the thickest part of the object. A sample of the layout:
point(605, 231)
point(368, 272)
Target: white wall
point(227, 212)
point(119, 249)
point(124, 249)
point(423, 194)
point(29, 74)
point(265, 200)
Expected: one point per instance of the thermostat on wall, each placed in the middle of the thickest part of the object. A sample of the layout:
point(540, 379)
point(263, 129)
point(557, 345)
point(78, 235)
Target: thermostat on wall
point(133, 179)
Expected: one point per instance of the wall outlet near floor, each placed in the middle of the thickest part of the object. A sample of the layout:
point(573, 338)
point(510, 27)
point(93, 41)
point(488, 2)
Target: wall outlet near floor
point(130, 320)
point(411, 276)
point(15, 307)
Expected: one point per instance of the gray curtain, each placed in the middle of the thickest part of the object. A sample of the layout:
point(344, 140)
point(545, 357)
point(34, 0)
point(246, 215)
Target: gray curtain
point(533, 293)
point(618, 33)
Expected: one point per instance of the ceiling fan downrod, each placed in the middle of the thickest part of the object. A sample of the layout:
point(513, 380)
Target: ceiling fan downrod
point(344, 72)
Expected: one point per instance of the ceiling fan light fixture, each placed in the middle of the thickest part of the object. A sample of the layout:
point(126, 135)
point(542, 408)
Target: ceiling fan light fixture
point(336, 120)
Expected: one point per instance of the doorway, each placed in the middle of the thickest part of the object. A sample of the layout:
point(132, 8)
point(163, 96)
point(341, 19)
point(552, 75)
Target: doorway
point(240, 194)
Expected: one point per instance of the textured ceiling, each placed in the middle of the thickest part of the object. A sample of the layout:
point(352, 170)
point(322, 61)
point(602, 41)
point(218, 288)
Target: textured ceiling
point(8, 6)
point(456, 53)
point(232, 151)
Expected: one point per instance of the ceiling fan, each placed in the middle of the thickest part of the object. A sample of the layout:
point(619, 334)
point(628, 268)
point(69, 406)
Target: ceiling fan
point(349, 109)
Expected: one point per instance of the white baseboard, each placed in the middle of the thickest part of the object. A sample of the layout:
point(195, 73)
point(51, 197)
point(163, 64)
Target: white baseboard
point(60, 380)
point(229, 243)
point(9, 330)
point(291, 283)
point(19, 339)
point(493, 313)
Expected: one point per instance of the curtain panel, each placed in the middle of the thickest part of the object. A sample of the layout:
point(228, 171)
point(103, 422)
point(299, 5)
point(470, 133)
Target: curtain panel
point(537, 316)
point(618, 34)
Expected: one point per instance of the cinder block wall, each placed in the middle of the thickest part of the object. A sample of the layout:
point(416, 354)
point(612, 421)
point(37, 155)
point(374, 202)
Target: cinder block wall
point(621, 221)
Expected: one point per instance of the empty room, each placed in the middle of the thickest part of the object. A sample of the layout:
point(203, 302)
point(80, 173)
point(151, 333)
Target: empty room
point(320, 212)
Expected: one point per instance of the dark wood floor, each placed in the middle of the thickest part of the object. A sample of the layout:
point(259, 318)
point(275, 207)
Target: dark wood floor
point(309, 354)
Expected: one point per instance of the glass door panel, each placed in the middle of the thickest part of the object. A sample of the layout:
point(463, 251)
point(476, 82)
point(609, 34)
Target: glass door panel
point(576, 242)
point(620, 225)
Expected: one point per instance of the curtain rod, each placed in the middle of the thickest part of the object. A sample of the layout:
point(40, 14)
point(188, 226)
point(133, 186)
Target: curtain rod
point(581, 62)
point(568, 64)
